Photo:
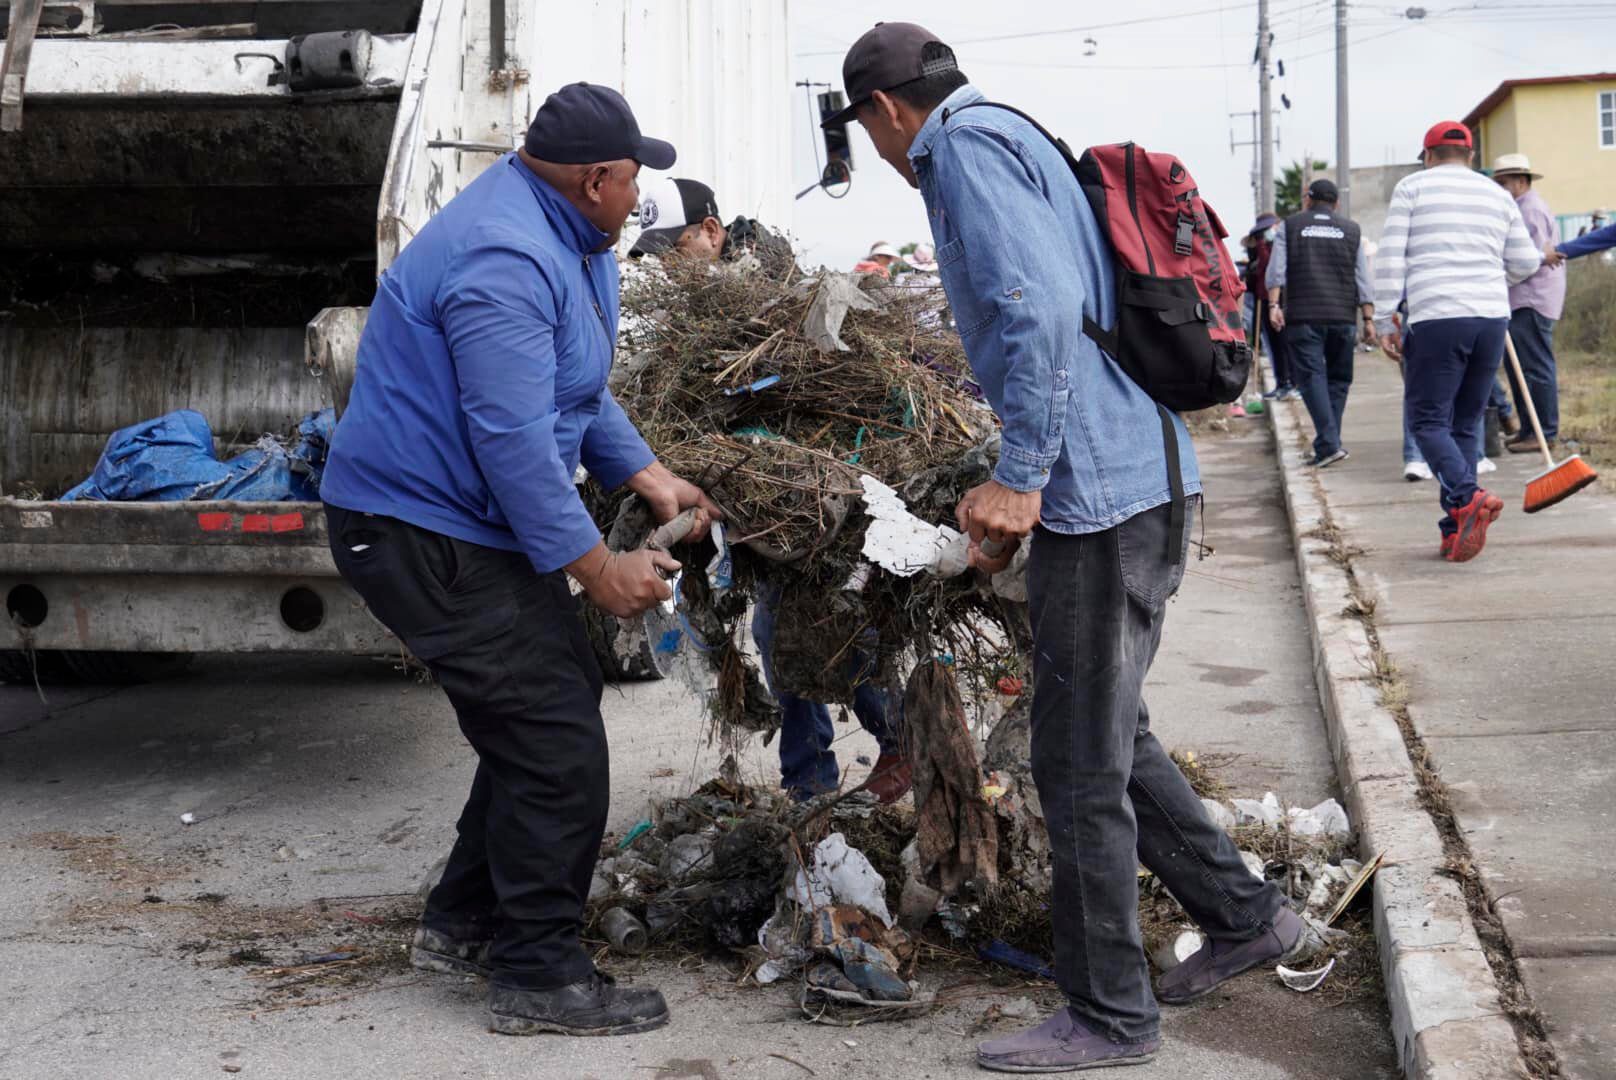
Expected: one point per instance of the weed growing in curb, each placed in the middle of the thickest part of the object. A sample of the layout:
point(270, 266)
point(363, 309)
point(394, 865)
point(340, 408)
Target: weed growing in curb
point(1542, 1062)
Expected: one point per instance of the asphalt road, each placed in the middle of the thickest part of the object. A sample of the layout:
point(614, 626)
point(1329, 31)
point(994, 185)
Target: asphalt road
point(323, 788)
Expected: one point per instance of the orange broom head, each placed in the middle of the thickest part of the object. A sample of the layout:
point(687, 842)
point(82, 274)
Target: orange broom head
point(1558, 483)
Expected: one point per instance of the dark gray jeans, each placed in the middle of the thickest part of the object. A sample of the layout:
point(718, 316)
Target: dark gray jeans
point(1112, 798)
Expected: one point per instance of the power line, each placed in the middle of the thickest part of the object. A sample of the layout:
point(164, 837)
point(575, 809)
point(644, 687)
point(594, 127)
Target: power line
point(1051, 32)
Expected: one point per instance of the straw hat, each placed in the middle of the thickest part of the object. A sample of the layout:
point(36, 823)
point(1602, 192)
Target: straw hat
point(881, 247)
point(1514, 165)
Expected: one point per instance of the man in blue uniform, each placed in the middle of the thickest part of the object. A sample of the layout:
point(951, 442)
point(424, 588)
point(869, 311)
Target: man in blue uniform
point(449, 493)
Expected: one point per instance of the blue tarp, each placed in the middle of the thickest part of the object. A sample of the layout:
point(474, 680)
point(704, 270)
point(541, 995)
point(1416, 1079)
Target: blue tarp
point(171, 458)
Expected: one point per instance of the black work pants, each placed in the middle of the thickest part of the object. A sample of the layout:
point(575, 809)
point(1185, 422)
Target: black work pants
point(1112, 797)
point(508, 647)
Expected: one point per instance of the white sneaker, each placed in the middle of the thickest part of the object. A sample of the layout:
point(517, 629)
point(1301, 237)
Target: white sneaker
point(1485, 465)
point(1417, 470)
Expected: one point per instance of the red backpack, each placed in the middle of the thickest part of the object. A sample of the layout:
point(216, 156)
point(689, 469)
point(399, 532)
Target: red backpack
point(1180, 333)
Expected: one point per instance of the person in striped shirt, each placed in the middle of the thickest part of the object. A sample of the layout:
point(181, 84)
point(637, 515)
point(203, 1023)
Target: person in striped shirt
point(1454, 242)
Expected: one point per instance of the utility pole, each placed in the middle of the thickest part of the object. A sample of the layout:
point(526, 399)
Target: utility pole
point(1343, 140)
point(1265, 193)
point(1256, 157)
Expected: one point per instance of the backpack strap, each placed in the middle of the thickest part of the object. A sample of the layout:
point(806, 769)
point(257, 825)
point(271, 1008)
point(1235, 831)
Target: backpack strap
point(1175, 487)
point(1107, 340)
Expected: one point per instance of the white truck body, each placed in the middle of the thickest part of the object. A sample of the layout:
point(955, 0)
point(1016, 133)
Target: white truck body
point(150, 171)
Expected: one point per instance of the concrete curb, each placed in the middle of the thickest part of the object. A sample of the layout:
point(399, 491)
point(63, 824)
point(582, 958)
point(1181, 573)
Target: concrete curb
point(1446, 1015)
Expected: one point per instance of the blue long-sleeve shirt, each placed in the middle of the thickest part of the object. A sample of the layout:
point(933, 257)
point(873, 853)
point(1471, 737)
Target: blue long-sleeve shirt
point(481, 378)
point(1589, 242)
point(1023, 260)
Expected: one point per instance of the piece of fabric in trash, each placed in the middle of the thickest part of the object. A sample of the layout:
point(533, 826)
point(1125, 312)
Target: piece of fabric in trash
point(956, 835)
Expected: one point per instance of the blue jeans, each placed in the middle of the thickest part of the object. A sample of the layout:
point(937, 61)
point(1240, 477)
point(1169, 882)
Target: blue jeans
point(1274, 345)
point(807, 763)
point(1533, 335)
point(1449, 368)
point(1321, 359)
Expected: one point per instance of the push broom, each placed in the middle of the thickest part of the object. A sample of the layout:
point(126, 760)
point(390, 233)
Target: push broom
point(1556, 482)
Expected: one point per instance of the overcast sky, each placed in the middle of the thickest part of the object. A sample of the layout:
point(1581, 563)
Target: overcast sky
point(1170, 83)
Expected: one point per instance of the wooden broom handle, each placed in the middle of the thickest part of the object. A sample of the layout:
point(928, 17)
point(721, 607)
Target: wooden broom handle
point(1526, 399)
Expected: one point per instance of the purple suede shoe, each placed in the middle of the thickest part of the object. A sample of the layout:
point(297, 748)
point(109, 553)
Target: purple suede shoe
point(1216, 962)
point(1063, 1043)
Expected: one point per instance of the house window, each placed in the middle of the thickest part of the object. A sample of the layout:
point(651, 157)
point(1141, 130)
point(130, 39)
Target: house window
point(1607, 119)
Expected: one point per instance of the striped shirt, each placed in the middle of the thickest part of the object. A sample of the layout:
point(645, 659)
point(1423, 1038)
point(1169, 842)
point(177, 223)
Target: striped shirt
point(1454, 243)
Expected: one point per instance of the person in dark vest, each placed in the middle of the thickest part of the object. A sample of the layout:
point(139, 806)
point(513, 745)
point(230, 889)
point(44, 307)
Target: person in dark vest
point(1320, 266)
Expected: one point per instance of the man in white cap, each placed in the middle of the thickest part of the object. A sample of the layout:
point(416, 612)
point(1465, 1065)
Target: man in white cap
point(1534, 306)
point(681, 216)
point(879, 261)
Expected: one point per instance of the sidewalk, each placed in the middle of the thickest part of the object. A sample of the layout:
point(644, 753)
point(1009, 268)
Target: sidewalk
point(1511, 666)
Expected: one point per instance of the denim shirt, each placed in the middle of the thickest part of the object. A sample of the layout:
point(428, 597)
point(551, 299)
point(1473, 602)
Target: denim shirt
point(481, 378)
point(1023, 260)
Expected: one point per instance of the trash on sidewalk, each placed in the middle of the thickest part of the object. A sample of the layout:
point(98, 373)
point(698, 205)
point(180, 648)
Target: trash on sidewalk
point(1355, 886)
point(1175, 950)
point(626, 933)
point(1303, 981)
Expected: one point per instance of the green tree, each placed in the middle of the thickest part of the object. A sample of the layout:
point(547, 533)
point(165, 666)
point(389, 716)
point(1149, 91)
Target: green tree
point(1288, 192)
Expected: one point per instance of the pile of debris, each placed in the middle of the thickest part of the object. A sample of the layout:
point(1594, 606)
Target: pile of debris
point(833, 420)
point(837, 893)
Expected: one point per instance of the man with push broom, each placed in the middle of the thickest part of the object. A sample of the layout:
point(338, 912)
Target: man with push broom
point(1085, 473)
point(1454, 243)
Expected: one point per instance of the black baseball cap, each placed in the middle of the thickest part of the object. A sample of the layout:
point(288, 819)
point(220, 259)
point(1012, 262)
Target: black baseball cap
point(1323, 190)
point(889, 55)
point(582, 123)
point(667, 207)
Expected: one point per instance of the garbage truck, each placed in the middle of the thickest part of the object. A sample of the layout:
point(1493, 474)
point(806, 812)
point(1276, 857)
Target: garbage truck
point(196, 198)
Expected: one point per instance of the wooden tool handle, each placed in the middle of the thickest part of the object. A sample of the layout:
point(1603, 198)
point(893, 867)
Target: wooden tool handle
point(1526, 399)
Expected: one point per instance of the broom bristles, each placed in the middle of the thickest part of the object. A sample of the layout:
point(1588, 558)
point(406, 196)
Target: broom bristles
point(1558, 483)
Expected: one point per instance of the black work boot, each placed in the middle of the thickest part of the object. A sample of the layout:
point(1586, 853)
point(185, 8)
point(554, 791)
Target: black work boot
point(596, 1006)
point(434, 950)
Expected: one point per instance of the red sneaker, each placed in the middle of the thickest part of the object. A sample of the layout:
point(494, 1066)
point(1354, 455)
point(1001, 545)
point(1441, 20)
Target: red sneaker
point(891, 778)
point(1473, 518)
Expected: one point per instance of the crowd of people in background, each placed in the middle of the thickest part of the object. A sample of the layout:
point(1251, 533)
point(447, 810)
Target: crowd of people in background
point(1467, 257)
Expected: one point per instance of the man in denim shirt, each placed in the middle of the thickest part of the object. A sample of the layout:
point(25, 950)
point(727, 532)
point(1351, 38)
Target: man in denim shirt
point(1083, 472)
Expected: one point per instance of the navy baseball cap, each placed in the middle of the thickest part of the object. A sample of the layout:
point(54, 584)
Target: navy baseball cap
point(890, 55)
point(581, 124)
point(1324, 190)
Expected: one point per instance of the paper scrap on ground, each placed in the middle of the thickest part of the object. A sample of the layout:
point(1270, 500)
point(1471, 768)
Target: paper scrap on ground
point(1303, 981)
point(841, 875)
point(896, 540)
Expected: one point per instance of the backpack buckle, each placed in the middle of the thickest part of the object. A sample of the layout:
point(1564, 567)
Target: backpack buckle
point(1184, 236)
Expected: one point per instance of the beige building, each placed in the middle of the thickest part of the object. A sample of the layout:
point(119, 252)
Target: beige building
point(1566, 125)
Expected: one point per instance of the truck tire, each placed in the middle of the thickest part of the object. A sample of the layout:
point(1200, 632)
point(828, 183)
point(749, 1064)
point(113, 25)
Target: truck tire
point(122, 668)
point(641, 662)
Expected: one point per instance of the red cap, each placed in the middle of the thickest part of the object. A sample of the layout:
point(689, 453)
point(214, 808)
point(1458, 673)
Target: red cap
point(1448, 133)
